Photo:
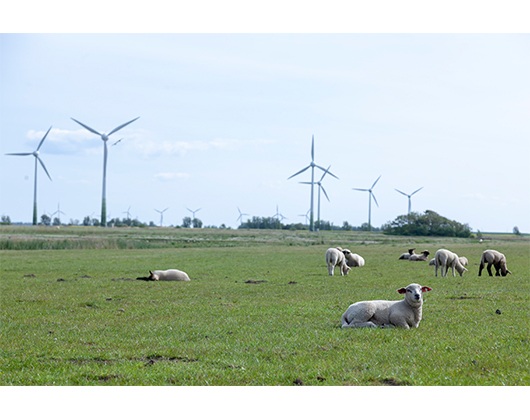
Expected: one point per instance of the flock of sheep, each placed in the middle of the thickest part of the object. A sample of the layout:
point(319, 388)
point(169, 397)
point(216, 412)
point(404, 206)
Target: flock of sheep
point(405, 313)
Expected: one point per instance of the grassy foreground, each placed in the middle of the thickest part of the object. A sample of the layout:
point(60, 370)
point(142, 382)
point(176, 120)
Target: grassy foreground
point(260, 310)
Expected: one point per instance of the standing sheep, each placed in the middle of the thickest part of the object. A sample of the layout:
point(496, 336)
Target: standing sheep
point(444, 259)
point(495, 258)
point(168, 275)
point(335, 258)
point(405, 313)
point(353, 260)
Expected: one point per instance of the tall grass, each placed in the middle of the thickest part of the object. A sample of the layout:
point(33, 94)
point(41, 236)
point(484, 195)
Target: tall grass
point(259, 311)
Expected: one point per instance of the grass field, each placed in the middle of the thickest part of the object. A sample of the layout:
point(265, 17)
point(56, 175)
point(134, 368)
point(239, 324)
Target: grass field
point(260, 310)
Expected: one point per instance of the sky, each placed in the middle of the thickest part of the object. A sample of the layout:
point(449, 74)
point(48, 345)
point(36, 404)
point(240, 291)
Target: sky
point(227, 118)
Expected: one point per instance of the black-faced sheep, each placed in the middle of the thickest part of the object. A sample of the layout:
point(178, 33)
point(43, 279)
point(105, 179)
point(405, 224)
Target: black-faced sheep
point(335, 258)
point(495, 258)
point(353, 260)
point(406, 255)
point(404, 313)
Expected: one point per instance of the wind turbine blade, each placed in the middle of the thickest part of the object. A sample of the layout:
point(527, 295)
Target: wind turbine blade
point(19, 154)
point(87, 127)
point(299, 172)
point(306, 182)
point(374, 199)
point(44, 138)
point(401, 192)
point(327, 171)
point(44, 167)
point(416, 191)
point(375, 182)
point(360, 189)
point(313, 148)
point(324, 191)
point(167, 208)
point(121, 126)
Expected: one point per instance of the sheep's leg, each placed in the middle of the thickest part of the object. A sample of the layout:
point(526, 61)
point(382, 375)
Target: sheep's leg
point(489, 269)
point(480, 268)
point(330, 269)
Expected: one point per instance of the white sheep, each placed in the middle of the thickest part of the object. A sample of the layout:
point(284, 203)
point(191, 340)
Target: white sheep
point(335, 258)
point(353, 260)
point(419, 257)
point(463, 261)
point(444, 259)
point(405, 313)
point(406, 255)
point(168, 275)
point(495, 258)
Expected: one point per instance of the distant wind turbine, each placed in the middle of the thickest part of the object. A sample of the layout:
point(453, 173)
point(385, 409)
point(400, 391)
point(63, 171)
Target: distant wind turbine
point(128, 213)
point(37, 159)
point(306, 216)
point(58, 213)
point(161, 215)
point(105, 138)
point(320, 187)
point(278, 215)
point(193, 212)
point(370, 195)
point(408, 195)
point(240, 218)
point(312, 165)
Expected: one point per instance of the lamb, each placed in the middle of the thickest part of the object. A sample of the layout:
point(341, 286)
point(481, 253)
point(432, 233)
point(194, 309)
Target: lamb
point(495, 258)
point(405, 313)
point(444, 259)
point(419, 257)
point(463, 261)
point(335, 258)
point(168, 275)
point(353, 260)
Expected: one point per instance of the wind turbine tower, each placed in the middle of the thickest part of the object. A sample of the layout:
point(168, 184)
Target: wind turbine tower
point(320, 187)
point(35, 153)
point(370, 195)
point(105, 138)
point(312, 165)
point(161, 215)
point(408, 195)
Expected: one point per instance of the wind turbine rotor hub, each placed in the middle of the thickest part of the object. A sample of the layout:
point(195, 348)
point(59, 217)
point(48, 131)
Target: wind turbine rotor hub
point(104, 137)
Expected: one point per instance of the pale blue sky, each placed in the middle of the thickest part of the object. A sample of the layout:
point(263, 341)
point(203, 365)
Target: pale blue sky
point(225, 119)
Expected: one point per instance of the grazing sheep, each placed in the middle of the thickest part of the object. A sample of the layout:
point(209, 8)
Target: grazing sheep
point(444, 259)
point(168, 275)
point(406, 255)
point(495, 258)
point(419, 257)
point(353, 260)
point(405, 313)
point(335, 258)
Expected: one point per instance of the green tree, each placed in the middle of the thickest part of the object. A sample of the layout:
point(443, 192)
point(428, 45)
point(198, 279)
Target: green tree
point(428, 224)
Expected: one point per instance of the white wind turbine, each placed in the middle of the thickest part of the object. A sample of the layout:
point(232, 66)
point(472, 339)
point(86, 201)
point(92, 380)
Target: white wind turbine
point(193, 212)
point(105, 138)
point(320, 187)
point(58, 213)
point(408, 195)
point(161, 215)
point(35, 153)
point(240, 218)
point(312, 165)
point(370, 195)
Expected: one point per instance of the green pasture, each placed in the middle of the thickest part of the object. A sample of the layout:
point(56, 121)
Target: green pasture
point(260, 310)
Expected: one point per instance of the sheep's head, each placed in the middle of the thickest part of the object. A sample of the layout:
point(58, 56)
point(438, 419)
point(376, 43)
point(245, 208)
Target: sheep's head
point(504, 270)
point(153, 276)
point(346, 252)
point(414, 293)
point(426, 253)
point(345, 269)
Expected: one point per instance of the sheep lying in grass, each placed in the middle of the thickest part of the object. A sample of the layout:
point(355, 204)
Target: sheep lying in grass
point(168, 275)
point(353, 260)
point(335, 258)
point(406, 255)
point(444, 259)
point(419, 257)
point(495, 258)
point(405, 313)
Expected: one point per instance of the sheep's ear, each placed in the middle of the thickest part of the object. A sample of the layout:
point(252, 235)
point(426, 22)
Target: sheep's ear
point(426, 288)
point(402, 291)
point(508, 272)
point(150, 272)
